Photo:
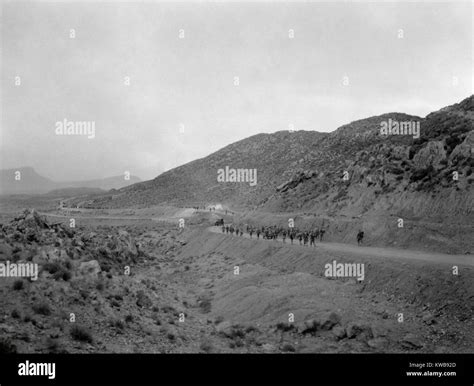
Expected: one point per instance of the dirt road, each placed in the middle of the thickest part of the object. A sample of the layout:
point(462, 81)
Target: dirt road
point(376, 252)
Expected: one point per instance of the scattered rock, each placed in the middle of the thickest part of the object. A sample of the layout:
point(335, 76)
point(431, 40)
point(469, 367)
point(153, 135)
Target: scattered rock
point(339, 332)
point(378, 343)
point(411, 341)
point(359, 331)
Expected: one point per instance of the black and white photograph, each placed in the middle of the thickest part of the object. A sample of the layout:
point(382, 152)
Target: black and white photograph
point(192, 179)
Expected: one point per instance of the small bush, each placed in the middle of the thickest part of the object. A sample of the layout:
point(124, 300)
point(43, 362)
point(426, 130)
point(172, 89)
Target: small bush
point(52, 267)
point(63, 274)
point(52, 345)
point(118, 324)
point(6, 346)
point(81, 334)
point(287, 347)
point(42, 309)
point(18, 285)
point(16, 314)
point(285, 327)
point(206, 346)
point(129, 318)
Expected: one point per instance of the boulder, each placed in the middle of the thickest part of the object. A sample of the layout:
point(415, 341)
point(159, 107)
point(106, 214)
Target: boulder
point(339, 332)
point(359, 331)
point(378, 343)
point(224, 328)
point(432, 154)
point(464, 149)
point(89, 268)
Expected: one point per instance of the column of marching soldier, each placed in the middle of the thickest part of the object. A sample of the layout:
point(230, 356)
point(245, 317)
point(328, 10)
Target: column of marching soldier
point(273, 232)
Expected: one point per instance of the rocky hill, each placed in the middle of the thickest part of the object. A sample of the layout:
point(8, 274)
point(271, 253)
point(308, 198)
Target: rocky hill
point(357, 177)
point(307, 170)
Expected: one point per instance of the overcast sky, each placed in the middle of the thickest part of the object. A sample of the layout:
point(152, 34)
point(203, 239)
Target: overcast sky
point(190, 81)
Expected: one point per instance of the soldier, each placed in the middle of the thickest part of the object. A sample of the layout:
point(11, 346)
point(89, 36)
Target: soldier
point(311, 239)
point(241, 232)
point(227, 229)
point(321, 234)
point(250, 232)
point(258, 233)
point(231, 230)
point(360, 236)
point(292, 236)
point(236, 231)
point(223, 229)
point(305, 238)
point(284, 237)
point(300, 237)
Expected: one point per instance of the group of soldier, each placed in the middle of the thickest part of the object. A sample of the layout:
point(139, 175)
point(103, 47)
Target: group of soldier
point(274, 232)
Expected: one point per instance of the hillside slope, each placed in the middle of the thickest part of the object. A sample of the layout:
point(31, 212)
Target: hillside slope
point(305, 170)
point(350, 179)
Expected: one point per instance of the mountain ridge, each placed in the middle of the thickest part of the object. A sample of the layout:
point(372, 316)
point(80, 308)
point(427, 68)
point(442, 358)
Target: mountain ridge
point(30, 182)
point(282, 156)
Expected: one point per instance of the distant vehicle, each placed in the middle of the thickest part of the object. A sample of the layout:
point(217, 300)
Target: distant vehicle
point(219, 222)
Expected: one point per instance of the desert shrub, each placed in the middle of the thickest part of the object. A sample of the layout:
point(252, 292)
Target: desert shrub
point(284, 326)
point(81, 334)
point(250, 329)
point(167, 309)
point(52, 345)
point(68, 264)
point(62, 274)
point(206, 346)
point(236, 332)
point(421, 173)
point(52, 267)
point(129, 318)
point(16, 314)
point(117, 323)
point(42, 309)
point(7, 347)
point(18, 285)
point(115, 303)
point(288, 347)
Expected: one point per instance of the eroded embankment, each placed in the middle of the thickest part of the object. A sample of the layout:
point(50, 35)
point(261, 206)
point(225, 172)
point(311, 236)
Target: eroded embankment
point(431, 286)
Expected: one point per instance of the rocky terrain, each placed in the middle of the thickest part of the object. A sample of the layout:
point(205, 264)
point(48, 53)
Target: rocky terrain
point(181, 293)
point(355, 176)
point(117, 273)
